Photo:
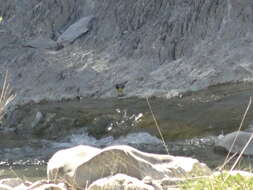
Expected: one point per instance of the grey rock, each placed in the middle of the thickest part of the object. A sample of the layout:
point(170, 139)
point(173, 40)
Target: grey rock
point(37, 119)
point(12, 182)
point(51, 186)
point(88, 164)
point(242, 137)
point(75, 30)
point(119, 181)
point(42, 43)
point(60, 164)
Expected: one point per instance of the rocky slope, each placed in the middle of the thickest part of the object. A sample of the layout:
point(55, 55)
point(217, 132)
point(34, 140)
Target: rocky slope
point(161, 47)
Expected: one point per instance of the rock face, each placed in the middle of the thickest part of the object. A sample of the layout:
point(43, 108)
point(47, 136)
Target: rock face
point(242, 138)
point(160, 47)
point(83, 165)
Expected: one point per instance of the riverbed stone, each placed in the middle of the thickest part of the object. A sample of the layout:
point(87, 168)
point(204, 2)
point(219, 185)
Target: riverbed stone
point(50, 187)
point(120, 181)
point(83, 165)
point(242, 137)
point(37, 119)
point(12, 182)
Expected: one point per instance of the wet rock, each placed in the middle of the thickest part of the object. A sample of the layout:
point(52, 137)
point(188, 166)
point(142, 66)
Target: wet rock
point(119, 181)
point(37, 119)
point(242, 137)
point(84, 165)
point(45, 123)
point(99, 126)
point(75, 30)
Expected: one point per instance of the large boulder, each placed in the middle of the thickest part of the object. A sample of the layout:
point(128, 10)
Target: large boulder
point(83, 165)
point(242, 137)
point(64, 162)
point(75, 30)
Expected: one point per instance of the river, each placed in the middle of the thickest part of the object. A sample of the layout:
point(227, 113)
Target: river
point(190, 124)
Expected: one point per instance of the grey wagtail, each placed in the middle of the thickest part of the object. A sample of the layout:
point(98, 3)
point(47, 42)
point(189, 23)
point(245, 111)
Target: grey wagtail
point(120, 88)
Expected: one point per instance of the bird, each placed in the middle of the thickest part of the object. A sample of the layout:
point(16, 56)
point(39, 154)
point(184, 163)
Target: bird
point(120, 88)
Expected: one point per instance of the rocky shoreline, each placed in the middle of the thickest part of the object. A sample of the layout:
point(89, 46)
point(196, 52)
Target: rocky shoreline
point(115, 167)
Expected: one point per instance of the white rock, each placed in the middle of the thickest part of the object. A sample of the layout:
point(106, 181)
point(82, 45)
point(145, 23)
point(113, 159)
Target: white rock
point(119, 181)
point(12, 182)
point(64, 162)
point(83, 165)
point(5, 187)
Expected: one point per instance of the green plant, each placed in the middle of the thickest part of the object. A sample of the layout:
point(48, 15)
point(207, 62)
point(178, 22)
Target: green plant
point(223, 181)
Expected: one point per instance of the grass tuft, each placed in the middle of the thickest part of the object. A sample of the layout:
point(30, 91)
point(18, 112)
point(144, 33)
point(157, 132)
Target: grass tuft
point(223, 181)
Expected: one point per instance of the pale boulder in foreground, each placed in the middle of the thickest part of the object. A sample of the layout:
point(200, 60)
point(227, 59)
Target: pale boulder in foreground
point(83, 165)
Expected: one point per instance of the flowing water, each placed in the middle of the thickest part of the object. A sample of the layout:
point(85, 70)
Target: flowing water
point(190, 124)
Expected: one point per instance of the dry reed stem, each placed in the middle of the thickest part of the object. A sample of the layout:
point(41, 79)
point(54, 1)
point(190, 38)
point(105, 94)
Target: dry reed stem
point(227, 161)
point(6, 95)
point(157, 126)
point(241, 124)
point(246, 145)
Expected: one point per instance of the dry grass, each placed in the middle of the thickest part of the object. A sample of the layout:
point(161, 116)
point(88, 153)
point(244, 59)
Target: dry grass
point(6, 96)
point(157, 126)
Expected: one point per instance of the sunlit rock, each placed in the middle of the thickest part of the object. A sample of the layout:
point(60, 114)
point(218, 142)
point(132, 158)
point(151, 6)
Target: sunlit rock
point(83, 165)
point(12, 182)
point(64, 162)
point(5, 187)
point(119, 181)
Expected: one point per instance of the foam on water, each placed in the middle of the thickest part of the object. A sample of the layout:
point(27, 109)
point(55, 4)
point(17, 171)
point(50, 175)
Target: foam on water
point(85, 139)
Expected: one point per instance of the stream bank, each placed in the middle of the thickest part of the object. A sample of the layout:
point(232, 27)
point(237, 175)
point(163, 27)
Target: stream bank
point(190, 124)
